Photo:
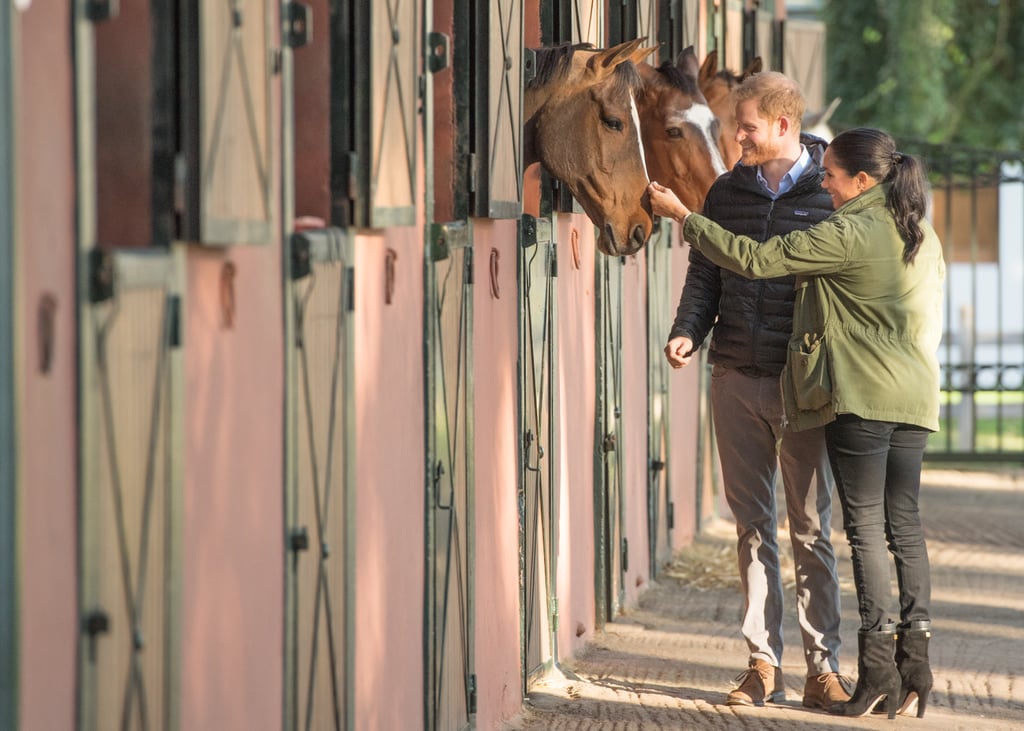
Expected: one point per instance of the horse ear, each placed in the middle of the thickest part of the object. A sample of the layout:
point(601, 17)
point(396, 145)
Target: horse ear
point(816, 123)
point(686, 62)
point(829, 111)
point(709, 68)
point(754, 68)
point(611, 57)
point(641, 53)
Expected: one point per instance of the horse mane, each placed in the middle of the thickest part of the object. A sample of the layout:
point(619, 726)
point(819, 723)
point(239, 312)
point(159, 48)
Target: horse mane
point(555, 62)
point(731, 79)
point(674, 76)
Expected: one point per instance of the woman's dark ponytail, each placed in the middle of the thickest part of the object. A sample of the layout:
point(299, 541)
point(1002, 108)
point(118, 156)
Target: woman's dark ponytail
point(874, 152)
point(908, 201)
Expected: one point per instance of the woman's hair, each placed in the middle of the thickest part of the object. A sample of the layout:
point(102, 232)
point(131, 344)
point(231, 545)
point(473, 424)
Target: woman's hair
point(874, 152)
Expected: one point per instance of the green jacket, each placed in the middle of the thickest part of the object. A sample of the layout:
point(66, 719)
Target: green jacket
point(866, 326)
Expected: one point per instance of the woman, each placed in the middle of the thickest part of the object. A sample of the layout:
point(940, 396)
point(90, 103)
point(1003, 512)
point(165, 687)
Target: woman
point(862, 361)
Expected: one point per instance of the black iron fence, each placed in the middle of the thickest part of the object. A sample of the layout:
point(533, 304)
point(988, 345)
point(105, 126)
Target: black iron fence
point(978, 212)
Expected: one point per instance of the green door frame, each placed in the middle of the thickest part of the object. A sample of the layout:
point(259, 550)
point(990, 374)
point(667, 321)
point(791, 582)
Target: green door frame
point(611, 545)
point(9, 659)
point(152, 267)
point(298, 252)
point(539, 458)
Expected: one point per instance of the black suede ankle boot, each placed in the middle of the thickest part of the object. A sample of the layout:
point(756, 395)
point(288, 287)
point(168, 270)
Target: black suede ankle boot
point(877, 677)
point(912, 662)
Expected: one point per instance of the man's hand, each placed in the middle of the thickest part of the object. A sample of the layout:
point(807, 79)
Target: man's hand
point(679, 351)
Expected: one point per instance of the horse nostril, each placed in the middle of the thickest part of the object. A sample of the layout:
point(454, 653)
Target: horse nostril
point(639, 235)
point(609, 233)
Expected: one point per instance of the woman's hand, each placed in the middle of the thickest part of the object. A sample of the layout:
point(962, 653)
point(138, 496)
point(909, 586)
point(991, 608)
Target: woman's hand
point(665, 203)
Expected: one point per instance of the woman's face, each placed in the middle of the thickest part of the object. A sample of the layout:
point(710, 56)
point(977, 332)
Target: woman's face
point(840, 184)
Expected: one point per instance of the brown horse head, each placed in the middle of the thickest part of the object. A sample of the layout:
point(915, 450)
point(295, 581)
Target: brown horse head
point(717, 87)
point(582, 126)
point(679, 131)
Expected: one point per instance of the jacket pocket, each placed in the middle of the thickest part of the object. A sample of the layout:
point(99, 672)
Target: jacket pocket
point(809, 372)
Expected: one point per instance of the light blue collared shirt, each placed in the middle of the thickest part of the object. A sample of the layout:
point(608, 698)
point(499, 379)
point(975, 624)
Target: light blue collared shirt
point(790, 178)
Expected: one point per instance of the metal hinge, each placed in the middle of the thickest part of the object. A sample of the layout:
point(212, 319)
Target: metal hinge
point(350, 287)
point(529, 64)
point(671, 515)
point(296, 24)
point(180, 176)
point(352, 158)
point(174, 323)
point(95, 623)
point(609, 442)
point(298, 539)
point(625, 555)
point(468, 273)
point(553, 264)
point(471, 166)
point(471, 693)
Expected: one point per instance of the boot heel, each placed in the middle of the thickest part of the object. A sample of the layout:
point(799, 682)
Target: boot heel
point(878, 680)
point(892, 704)
point(915, 672)
point(922, 701)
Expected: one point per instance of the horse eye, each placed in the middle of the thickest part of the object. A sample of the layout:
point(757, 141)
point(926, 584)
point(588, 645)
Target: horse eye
point(674, 132)
point(612, 123)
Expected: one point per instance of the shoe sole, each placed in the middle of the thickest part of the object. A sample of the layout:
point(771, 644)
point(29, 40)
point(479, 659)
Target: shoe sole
point(776, 697)
point(820, 705)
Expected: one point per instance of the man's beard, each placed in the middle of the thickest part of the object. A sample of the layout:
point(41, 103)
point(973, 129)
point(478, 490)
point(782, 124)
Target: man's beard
point(759, 154)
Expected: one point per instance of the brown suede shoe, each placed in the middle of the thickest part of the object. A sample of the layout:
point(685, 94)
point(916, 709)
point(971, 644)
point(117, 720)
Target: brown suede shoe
point(754, 684)
point(825, 690)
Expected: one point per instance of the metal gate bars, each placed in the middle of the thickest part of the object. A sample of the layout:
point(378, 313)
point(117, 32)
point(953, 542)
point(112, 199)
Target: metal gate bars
point(451, 683)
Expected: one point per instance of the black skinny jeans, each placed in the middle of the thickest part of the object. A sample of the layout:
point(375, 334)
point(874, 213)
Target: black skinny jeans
point(877, 467)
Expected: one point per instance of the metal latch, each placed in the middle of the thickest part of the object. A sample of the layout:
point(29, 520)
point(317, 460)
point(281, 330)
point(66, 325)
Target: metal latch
point(439, 51)
point(296, 25)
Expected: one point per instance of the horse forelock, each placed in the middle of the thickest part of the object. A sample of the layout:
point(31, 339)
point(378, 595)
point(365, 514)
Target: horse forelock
point(732, 80)
point(555, 62)
point(626, 79)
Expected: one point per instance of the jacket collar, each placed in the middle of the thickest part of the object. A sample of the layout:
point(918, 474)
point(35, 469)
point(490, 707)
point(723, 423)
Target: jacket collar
point(746, 175)
point(870, 198)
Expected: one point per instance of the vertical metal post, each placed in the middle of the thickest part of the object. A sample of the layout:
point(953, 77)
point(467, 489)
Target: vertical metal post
point(968, 348)
point(9, 657)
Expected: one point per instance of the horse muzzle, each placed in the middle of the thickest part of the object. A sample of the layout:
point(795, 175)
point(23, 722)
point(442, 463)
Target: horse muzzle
point(623, 245)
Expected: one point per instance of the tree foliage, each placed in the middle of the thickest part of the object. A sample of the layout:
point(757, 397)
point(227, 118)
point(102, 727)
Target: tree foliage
point(946, 71)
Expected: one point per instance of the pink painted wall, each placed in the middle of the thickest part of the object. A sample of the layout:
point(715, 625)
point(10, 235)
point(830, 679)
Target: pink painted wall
point(684, 415)
point(45, 249)
point(497, 594)
point(232, 606)
point(577, 408)
point(390, 482)
point(634, 423)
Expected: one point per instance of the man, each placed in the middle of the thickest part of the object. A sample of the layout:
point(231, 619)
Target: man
point(774, 189)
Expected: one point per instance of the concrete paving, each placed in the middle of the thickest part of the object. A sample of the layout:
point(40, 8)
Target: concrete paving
point(669, 663)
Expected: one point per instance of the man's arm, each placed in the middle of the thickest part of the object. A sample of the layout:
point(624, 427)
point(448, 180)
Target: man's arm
point(698, 303)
